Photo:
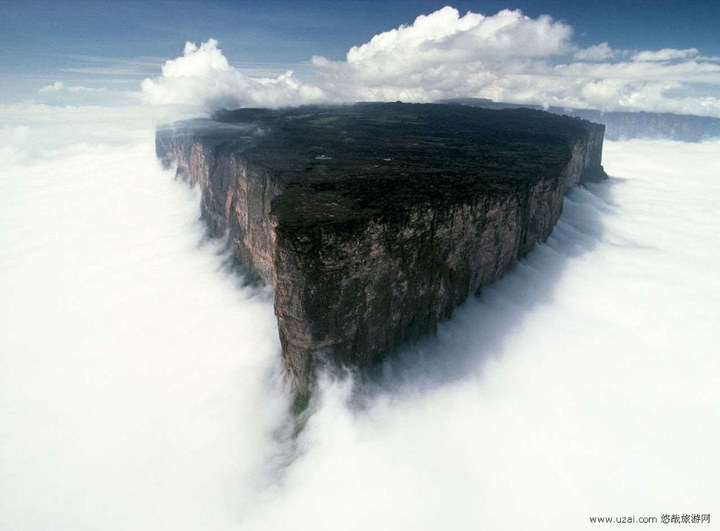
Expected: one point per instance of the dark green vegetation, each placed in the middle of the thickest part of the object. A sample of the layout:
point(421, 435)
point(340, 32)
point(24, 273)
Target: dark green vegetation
point(347, 164)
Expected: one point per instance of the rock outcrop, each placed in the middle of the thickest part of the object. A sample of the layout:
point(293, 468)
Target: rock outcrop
point(372, 222)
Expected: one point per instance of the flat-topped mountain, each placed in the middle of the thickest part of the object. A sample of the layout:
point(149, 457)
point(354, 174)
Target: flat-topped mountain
point(372, 222)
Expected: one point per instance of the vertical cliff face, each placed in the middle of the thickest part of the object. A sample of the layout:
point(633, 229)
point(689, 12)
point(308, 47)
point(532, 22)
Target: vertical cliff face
point(374, 251)
point(368, 289)
point(236, 196)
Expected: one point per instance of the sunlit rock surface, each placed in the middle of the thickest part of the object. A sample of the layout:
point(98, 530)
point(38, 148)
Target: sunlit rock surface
point(373, 222)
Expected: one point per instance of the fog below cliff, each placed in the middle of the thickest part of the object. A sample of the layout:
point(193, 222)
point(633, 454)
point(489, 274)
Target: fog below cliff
point(140, 382)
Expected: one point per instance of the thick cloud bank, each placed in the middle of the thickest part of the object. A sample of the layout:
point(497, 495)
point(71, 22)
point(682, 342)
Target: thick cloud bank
point(507, 56)
point(139, 382)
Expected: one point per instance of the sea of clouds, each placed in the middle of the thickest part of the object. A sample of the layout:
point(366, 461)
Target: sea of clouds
point(141, 385)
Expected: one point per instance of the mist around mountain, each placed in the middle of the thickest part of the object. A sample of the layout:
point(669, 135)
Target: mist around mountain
point(625, 125)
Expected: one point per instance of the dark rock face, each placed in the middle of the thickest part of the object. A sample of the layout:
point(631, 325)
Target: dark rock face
point(373, 222)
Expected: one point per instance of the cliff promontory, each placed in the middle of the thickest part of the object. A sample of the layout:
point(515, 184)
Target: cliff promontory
point(372, 222)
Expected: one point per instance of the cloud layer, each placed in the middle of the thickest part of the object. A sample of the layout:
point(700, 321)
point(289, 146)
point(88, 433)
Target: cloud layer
point(506, 57)
point(140, 383)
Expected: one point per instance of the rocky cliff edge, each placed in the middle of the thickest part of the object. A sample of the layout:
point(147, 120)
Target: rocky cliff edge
point(372, 222)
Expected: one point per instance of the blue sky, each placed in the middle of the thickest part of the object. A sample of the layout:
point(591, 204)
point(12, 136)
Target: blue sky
point(117, 44)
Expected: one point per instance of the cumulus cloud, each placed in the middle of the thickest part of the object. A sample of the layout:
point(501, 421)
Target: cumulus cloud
point(511, 57)
point(507, 56)
point(445, 36)
point(444, 55)
point(203, 77)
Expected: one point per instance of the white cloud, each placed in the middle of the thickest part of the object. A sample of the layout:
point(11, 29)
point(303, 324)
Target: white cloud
point(599, 52)
point(443, 55)
point(203, 77)
point(511, 57)
point(446, 37)
point(633, 86)
point(506, 57)
point(118, 410)
point(666, 54)
point(60, 93)
point(59, 86)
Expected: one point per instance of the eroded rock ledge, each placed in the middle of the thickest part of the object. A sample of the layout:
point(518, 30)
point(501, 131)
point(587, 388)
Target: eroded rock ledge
point(373, 222)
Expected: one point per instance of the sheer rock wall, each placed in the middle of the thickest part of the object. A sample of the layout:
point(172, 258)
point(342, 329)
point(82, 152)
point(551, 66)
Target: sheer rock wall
point(350, 289)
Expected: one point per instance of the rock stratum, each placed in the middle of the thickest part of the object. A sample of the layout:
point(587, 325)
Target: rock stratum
point(373, 222)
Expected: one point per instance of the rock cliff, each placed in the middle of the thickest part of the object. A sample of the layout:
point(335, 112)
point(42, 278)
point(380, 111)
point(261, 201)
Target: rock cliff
point(372, 222)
